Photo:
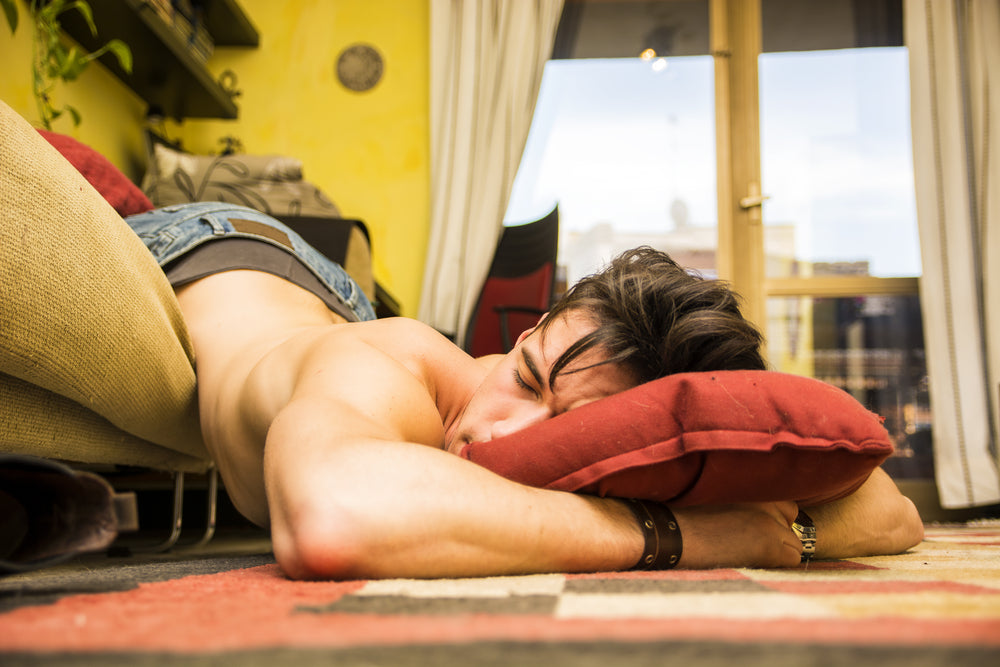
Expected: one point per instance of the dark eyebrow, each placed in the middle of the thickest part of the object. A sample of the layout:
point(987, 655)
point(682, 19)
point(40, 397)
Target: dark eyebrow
point(532, 367)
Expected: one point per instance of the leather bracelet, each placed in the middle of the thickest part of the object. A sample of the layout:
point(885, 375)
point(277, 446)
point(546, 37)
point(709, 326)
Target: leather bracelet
point(805, 530)
point(663, 544)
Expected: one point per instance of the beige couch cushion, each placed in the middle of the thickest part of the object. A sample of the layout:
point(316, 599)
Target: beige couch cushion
point(86, 315)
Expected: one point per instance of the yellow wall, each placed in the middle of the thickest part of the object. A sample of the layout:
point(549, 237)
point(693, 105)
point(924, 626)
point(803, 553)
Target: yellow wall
point(367, 151)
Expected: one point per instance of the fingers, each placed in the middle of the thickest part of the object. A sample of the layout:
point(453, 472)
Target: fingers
point(790, 550)
point(789, 510)
point(779, 545)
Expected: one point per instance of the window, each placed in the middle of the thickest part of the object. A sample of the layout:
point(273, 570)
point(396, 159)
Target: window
point(626, 147)
point(628, 141)
point(836, 163)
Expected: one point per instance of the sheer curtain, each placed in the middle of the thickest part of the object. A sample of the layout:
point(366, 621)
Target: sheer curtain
point(954, 50)
point(487, 59)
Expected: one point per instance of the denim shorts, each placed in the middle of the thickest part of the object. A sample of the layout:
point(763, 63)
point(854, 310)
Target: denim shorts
point(173, 231)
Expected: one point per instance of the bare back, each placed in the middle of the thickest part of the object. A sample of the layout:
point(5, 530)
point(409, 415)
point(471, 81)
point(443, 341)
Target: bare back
point(262, 342)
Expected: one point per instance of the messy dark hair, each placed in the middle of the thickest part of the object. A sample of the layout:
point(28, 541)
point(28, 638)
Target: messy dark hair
point(654, 319)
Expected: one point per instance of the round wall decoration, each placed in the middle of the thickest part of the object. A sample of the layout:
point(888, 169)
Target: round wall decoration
point(359, 67)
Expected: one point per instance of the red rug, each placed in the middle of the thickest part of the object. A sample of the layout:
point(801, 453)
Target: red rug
point(938, 604)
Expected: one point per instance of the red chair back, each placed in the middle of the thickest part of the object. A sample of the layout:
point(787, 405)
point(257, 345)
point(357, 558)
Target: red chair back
point(519, 287)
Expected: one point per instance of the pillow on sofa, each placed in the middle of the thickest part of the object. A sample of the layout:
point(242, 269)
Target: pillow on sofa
point(272, 184)
point(701, 438)
point(123, 195)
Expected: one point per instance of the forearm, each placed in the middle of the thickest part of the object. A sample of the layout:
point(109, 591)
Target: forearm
point(875, 520)
point(384, 509)
point(364, 507)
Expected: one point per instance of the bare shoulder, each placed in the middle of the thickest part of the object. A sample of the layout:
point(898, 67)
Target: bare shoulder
point(399, 335)
point(406, 344)
point(383, 376)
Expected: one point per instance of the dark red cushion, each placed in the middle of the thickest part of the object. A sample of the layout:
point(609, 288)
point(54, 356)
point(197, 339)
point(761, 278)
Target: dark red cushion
point(702, 438)
point(123, 195)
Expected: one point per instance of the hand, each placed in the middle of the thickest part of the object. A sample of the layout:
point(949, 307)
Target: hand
point(745, 535)
point(875, 520)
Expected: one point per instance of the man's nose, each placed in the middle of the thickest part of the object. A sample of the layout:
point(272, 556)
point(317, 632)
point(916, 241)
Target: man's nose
point(520, 420)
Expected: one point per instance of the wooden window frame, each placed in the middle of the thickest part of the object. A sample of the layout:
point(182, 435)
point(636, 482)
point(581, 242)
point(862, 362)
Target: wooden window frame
point(736, 37)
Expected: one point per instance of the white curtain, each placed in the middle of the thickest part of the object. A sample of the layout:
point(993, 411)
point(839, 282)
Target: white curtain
point(487, 60)
point(954, 50)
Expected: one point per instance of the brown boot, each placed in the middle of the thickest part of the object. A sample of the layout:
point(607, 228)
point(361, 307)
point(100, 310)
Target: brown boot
point(49, 513)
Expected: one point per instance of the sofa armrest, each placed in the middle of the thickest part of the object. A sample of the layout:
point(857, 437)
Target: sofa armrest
point(90, 322)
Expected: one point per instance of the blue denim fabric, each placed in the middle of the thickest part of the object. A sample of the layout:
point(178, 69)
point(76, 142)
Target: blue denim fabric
point(171, 231)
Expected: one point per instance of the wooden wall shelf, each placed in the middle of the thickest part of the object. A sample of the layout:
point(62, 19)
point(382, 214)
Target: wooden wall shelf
point(165, 72)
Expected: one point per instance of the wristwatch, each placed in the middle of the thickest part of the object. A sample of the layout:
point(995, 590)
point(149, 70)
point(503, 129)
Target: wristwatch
point(805, 530)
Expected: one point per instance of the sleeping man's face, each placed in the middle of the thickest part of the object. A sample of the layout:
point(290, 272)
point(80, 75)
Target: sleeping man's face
point(517, 394)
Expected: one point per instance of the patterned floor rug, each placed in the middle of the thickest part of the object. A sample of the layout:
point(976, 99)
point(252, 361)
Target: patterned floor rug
point(936, 605)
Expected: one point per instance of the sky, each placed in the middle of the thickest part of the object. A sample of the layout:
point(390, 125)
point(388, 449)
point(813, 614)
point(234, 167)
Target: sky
point(632, 143)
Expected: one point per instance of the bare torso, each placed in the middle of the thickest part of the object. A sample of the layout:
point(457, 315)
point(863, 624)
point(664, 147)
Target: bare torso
point(260, 341)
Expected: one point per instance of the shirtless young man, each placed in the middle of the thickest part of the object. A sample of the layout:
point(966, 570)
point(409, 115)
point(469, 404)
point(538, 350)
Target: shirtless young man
point(337, 434)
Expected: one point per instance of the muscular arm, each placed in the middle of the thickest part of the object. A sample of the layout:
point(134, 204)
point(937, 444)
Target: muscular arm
point(875, 520)
point(370, 507)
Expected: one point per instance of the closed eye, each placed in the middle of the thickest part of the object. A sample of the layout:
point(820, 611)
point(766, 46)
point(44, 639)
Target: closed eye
point(519, 381)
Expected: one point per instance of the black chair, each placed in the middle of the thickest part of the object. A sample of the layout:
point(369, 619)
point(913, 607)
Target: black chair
point(519, 288)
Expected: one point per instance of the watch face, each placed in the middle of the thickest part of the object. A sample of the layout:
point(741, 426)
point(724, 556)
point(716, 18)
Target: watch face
point(359, 67)
point(805, 530)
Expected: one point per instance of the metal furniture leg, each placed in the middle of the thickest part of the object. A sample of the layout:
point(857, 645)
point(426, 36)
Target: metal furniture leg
point(178, 518)
point(212, 503)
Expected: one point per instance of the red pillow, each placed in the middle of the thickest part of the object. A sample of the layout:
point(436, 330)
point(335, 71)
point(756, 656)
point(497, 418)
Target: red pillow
point(701, 438)
point(123, 195)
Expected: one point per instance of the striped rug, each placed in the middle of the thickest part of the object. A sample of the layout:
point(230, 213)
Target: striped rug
point(936, 605)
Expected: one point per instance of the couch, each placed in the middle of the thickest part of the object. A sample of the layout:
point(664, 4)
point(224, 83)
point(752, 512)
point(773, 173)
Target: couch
point(96, 365)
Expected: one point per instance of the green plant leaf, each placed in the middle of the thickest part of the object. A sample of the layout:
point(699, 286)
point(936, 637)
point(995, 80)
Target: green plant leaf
point(84, 8)
point(53, 61)
point(73, 66)
point(121, 52)
point(10, 11)
point(56, 61)
point(46, 12)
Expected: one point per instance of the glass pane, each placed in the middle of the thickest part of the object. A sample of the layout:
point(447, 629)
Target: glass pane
point(873, 348)
point(626, 147)
point(836, 163)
